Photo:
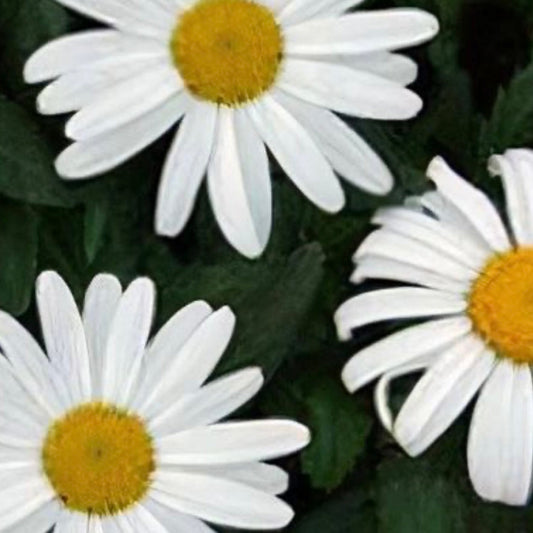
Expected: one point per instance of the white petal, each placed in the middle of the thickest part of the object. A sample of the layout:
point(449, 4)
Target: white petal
point(137, 519)
point(274, 5)
point(405, 347)
point(235, 442)
point(84, 50)
point(126, 343)
point(125, 102)
point(389, 245)
point(471, 202)
point(261, 476)
point(21, 500)
point(382, 390)
point(209, 404)
point(297, 11)
point(239, 184)
point(443, 393)
point(347, 152)
point(185, 168)
point(432, 233)
point(72, 522)
point(348, 91)
point(166, 344)
point(500, 443)
point(394, 67)
point(393, 304)
point(297, 153)
point(64, 335)
point(375, 267)
point(361, 33)
point(188, 369)
point(76, 89)
point(175, 521)
point(40, 521)
point(32, 369)
point(220, 501)
point(101, 301)
point(96, 156)
point(516, 169)
point(134, 17)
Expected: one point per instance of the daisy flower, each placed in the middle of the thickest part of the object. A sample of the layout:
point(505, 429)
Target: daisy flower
point(472, 278)
point(241, 76)
point(113, 433)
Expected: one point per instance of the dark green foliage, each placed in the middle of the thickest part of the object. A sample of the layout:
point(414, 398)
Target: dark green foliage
point(477, 83)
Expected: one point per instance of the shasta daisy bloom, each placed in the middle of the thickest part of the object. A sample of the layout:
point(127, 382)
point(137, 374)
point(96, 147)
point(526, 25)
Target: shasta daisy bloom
point(241, 76)
point(113, 433)
point(472, 278)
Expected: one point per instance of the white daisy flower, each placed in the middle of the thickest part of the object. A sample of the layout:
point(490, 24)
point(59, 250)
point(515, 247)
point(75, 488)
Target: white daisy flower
point(114, 433)
point(241, 75)
point(474, 280)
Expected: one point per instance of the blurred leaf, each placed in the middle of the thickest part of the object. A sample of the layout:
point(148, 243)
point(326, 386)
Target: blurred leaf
point(18, 257)
point(26, 160)
point(96, 216)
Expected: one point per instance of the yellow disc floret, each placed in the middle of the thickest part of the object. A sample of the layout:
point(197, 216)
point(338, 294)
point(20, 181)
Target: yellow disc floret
point(501, 304)
point(227, 51)
point(99, 459)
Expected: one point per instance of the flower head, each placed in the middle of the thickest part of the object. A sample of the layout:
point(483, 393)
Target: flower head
point(472, 279)
point(241, 76)
point(112, 432)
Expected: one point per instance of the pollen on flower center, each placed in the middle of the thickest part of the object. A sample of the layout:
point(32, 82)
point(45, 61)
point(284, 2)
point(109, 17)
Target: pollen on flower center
point(99, 459)
point(501, 304)
point(227, 51)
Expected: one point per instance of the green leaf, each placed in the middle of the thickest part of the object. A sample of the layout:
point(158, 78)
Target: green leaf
point(26, 160)
point(96, 216)
point(511, 123)
point(346, 513)
point(18, 257)
point(412, 495)
point(340, 428)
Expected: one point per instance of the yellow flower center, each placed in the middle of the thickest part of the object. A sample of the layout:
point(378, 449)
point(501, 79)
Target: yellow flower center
point(227, 51)
point(99, 459)
point(501, 304)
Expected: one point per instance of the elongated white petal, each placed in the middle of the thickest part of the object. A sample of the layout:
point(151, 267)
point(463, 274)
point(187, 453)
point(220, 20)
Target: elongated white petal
point(221, 501)
point(360, 33)
point(261, 476)
point(166, 344)
point(139, 518)
point(516, 169)
point(389, 245)
point(274, 5)
point(402, 348)
point(72, 522)
point(235, 442)
point(471, 202)
point(126, 342)
point(175, 521)
point(298, 11)
point(393, 304)
point(101, 302)
point(87, 49)
point(443, 393)
point(347, 152)
point(433, 234)
point(64, 335)
point(209, 404)
point(297, 153)
point(125, 102)
point(239, 184)
point(74, 90)
point(100, 154)
point(381, 392)
point(500, 443)
point(185, 168)
point(40, 521)
point(348, 91)
point(134, 17)
point(376, 267)
point(192, 365)
point(21, 500)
